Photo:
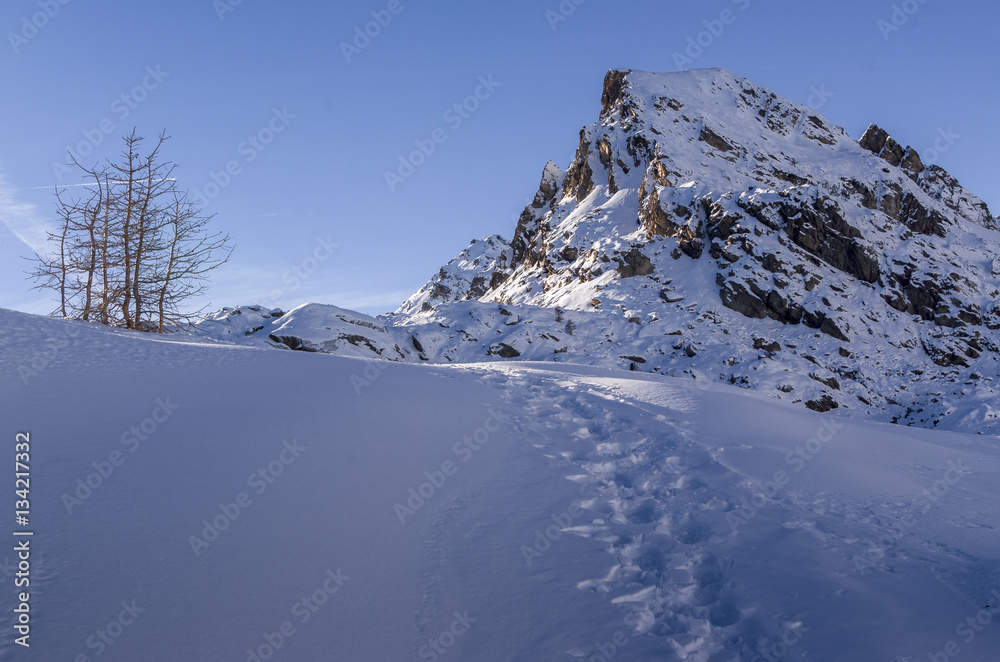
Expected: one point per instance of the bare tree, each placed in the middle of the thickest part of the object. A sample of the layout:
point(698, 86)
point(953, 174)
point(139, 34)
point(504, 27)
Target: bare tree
point(134, 250)
point(188, 256)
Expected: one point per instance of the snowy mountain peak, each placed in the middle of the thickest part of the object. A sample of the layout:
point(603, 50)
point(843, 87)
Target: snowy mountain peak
point(710, 228)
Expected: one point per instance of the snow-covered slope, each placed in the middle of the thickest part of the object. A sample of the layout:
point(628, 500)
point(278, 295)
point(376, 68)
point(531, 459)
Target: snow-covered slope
point(710, 228)
point(309, 328)
point(196, 500)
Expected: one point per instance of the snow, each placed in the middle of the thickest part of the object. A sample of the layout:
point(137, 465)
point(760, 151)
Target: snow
point(569, 511)
point(309, 327)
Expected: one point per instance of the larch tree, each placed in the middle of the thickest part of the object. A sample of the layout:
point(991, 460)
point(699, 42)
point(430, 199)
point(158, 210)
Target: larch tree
point(134, 250)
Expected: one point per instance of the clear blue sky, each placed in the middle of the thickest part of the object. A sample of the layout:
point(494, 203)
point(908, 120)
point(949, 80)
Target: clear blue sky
point(322, 175)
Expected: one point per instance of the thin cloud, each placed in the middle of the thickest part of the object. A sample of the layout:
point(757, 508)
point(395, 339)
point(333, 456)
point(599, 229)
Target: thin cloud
point(53, 187)
point(23, 220)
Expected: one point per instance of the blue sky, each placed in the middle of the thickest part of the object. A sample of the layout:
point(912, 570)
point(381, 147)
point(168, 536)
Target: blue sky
point(308, 128)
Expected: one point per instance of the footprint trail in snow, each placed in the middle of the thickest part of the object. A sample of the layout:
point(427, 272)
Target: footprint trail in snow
point(648, 494)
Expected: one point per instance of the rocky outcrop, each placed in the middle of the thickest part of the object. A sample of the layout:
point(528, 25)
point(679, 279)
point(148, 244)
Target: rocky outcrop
point(653, 218)
point(611, 97)
point(715, 140)
point(877, 141)
point(750, 300)
point(579, 180)
point(818, 226)
point(634, 263)
point(526, 234)
point(504, 351)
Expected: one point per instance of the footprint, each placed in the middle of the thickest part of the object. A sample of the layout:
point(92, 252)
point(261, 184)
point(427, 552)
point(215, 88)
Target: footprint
point(686, 529)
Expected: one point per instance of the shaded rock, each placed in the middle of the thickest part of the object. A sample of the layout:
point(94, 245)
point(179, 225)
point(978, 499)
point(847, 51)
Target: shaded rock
point(654, 219)
point(504, 351)
point(736, 297)
point(945, 356)
point(756, 303)
point(614, 86)
point(829, 381)
point(820, 228)
point(291, 342)
point(874, 139)
point(416, 344)
point(761, 344)
point(715, 140)
point(580, 178)
point(772, 263)
point(634, 263)
point(921, 219)
point(604, 153)
point(911, 162)
point(823, 404)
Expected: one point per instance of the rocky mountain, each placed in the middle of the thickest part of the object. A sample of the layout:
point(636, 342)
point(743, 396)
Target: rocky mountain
point(711, 229)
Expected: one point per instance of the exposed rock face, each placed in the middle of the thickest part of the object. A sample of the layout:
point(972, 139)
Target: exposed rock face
point(471, 275)
point(758, 304)
point(614, 85)
point(653, 218)
point(874, 139)
point(504, 351)
point(823, 405)
point(715, 140)
point(819, 227)
point(634, 263)
point(580, 177)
